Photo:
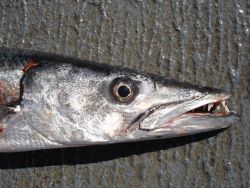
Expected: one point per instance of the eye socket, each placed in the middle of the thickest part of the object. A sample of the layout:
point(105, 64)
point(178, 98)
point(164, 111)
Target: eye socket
point(124, 90)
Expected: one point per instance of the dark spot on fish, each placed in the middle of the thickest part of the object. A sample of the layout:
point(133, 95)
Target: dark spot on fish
point(64, 99)
point(1, 130)
point(76, 71)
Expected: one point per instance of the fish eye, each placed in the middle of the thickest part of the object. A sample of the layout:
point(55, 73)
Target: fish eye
point(123, 90)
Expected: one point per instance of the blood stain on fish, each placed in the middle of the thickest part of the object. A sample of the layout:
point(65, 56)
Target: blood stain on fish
point(30, 64)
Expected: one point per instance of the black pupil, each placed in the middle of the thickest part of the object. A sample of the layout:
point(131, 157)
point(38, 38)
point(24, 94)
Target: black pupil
point(123, 91)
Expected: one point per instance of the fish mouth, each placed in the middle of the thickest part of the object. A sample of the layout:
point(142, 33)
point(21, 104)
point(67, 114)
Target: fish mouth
point(207, 113)
point(217, 108)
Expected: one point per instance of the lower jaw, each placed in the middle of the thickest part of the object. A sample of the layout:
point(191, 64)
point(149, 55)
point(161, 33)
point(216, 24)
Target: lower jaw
point(220, 114)
point(217, 120)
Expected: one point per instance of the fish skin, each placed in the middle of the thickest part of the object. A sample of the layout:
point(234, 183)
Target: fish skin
point(66, 102)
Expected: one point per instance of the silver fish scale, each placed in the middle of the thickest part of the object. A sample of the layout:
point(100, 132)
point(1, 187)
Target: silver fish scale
point(28, 137)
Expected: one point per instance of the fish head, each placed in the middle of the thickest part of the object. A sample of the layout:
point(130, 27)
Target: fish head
point(162, 108)
point(75, 105)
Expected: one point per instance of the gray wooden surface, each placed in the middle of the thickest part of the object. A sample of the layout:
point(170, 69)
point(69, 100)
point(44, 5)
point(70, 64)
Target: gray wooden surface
point(200, 41)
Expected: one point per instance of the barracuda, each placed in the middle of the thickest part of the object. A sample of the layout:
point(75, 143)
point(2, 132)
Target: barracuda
point(48, 101)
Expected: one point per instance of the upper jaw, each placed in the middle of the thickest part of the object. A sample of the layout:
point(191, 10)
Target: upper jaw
point(196, 115)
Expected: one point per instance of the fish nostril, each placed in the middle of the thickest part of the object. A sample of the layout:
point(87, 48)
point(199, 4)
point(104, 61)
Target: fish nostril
point(198, 95)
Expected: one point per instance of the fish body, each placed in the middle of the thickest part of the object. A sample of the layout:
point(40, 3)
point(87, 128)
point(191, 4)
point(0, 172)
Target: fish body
point(49, 101)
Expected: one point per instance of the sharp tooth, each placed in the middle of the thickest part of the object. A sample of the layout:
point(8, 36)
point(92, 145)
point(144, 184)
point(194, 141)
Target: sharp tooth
point(17, 109)
point(209, 107)
point(226, 108)
point(223, 103)
point(218, 107)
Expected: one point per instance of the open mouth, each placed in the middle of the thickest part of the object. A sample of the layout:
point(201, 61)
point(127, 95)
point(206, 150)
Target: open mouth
point(218, 108)
point(208, 108)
